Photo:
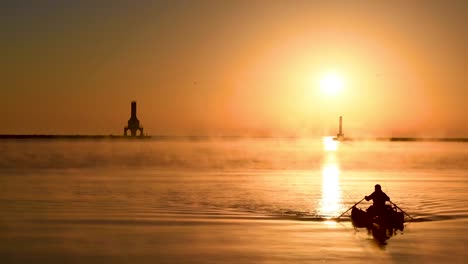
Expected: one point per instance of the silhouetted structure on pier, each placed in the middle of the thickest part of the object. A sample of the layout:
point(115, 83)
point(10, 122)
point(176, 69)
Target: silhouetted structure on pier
point(133, 123)
point(340, 135)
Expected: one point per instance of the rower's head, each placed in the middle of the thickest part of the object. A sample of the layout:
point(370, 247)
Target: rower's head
point(377, 187)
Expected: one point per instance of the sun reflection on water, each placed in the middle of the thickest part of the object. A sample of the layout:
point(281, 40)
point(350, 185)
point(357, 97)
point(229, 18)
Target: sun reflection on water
point(329, 144)
point(331, 191)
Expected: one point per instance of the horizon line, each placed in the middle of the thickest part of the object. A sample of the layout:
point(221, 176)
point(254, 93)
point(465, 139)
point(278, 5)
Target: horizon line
point(162, 136)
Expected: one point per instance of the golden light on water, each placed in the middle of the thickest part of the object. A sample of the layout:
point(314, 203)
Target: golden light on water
point(329, 144)
point(331, 192)
point(331, 196)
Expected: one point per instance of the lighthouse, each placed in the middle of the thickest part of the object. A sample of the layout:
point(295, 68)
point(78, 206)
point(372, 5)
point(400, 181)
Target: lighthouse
point(340, 135)
point(133, 122)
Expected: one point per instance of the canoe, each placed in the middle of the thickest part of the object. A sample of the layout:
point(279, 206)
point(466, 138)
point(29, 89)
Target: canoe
point(382, 225)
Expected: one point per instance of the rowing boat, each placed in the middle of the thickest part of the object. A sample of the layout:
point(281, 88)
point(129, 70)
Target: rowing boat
point(382, 224)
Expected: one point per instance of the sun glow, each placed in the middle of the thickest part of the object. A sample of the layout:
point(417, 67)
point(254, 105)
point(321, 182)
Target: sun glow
point(331, 83)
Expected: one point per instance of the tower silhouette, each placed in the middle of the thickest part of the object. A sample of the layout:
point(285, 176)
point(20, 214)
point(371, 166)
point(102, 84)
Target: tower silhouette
point(133, 122)
point(340, 135)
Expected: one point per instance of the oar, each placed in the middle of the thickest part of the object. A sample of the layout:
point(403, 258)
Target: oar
point(402, 210)
point(350, 208)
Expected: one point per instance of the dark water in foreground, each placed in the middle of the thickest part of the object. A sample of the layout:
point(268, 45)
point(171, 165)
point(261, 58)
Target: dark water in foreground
point(226, 201)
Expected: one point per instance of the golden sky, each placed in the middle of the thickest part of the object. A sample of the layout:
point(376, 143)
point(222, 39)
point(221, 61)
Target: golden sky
point(235, 67)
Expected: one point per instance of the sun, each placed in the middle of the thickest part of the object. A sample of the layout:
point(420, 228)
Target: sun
point(331, 83)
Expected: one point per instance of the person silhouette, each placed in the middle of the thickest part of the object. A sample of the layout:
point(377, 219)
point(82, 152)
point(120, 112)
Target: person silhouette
point(379, 198)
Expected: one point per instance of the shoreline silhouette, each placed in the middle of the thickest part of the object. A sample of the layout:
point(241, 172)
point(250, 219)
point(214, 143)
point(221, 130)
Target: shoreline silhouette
point(70, 137)
point(146, 137)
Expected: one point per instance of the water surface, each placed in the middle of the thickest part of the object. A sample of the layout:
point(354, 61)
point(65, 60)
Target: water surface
point(226, 200)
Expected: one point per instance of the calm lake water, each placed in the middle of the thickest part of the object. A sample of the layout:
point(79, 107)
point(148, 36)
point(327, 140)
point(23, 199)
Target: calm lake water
point(227, 200)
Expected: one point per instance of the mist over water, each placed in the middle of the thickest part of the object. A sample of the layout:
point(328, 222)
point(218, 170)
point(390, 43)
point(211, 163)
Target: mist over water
point(146, 199)
point(230, 154)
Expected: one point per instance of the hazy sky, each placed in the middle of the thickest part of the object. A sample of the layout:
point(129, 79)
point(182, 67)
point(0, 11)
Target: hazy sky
point(234, 67)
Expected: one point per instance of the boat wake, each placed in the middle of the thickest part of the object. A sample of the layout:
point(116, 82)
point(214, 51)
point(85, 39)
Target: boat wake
point(433, 218)
point(314, 217)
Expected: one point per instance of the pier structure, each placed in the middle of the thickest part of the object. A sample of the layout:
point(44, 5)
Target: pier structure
point(340, 135)
point(133, 123)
